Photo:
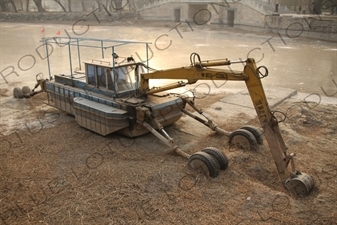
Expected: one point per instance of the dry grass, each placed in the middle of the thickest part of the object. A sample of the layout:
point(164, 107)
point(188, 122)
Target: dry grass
point(64, 174)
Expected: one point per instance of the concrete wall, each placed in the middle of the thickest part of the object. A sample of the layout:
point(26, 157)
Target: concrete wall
point(52, 6)
point(247, 18)
point(165, 12)
point(202, 13)
point(199, 13)
point(243, 15)
point(56, 17)
point(320, 27)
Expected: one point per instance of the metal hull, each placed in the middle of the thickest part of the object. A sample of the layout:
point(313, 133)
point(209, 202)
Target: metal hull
point(98, 111)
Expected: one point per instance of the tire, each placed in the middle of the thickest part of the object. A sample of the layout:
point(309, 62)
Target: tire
point(218, 155)
point(26, 91)
point(207, 160)
point(256, 132)
point(245, 136)
point(17, 93)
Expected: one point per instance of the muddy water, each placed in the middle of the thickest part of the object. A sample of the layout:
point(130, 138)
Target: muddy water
point(302, 64)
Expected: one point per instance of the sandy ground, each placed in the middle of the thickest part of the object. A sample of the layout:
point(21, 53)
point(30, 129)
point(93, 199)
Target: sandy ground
point(53, 171)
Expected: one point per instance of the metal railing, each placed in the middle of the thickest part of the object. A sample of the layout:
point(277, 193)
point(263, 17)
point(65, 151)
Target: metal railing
point(251, 3)
point(255, 5)
point(160, 2)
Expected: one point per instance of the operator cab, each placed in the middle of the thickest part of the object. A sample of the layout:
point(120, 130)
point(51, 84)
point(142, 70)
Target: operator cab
point(121, 78)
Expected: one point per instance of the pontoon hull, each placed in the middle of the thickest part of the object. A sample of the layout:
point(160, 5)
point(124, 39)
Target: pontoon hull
point(104, 114)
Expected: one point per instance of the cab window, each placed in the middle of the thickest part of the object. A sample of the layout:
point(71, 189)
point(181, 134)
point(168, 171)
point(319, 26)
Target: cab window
point(101, 76)
point(91, 78)
point(126, 78)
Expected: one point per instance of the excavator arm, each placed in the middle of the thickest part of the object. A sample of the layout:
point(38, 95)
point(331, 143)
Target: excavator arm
point(191, 75)
point(295, 181)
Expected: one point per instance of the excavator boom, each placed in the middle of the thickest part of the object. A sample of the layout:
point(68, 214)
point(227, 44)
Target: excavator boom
point(295, 181)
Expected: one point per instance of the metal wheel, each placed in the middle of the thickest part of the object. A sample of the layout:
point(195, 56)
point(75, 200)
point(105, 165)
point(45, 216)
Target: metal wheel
point(243, 139)
point(300, 185)
point(256, 132)
point(205, 163)
point(218, 155)
point(17, 92)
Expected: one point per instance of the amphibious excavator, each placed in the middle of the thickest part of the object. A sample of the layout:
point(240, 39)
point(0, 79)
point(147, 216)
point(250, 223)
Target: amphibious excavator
point(114, 94)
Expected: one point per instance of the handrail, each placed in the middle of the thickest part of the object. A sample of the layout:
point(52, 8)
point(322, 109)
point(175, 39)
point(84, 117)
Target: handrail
point(90, 43)
point(253, 4)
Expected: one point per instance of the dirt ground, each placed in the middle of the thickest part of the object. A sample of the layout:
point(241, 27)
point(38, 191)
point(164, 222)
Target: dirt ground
point(55, 172)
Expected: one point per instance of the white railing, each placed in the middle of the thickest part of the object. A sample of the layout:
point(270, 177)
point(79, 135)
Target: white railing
point(159, 2)
point(251, 3)
point(255, 5)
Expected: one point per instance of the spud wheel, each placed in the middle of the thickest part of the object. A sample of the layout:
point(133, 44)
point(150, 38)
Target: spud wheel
point(204, 162)
point(218, 155)
point(243, 139)
point(256, 132)
point(17, 92)
point(300, 185)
